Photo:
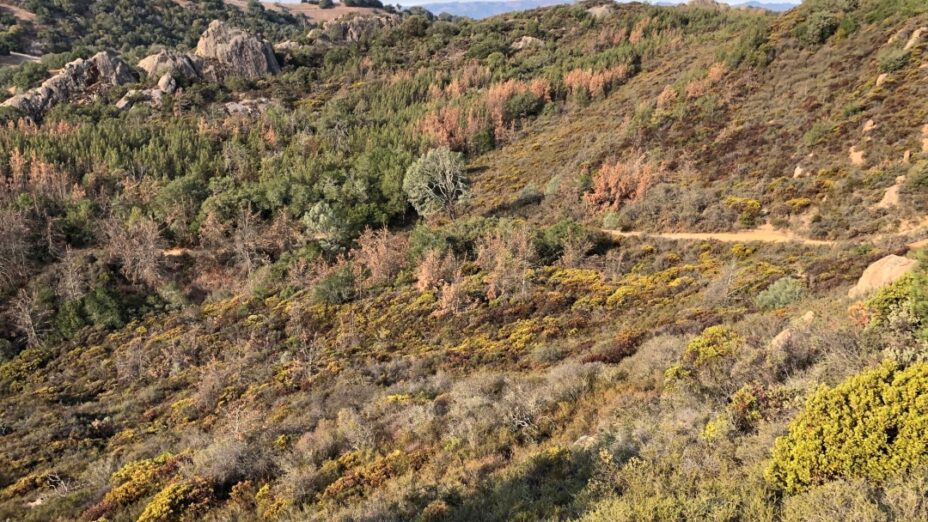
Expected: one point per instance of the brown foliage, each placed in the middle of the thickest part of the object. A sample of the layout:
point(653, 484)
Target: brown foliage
point(507, 258)
point(139, 245)
point(596, 84)
point(618, 181)
point(383, 255)
point(435, 270)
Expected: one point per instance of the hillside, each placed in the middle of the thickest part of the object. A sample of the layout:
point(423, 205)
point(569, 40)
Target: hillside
point(585, 262)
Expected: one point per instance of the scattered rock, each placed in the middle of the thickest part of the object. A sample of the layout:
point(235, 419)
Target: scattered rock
point(584, 442)
point(78, 78)
point(781, 339)
point(881, 273)
point(248, 107)
point(856, 156)
point(527, 42)
point(906, 156)
point(881, 79)
point(914, 39)
point(891, 197)
point(152, 97)
point(229, 51)
point(177, 65)
point(798, 172)
point(869, 126)
point(289, 45)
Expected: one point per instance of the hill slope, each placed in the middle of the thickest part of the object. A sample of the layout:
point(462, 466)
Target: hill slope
point(225, 305)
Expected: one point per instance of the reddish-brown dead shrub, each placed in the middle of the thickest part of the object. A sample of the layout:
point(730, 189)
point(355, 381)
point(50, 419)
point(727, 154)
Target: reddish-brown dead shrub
point(620, 181)
point(472, 76)
point(666, 97)
point(382, 254)
point(595, 84)
point(507, 257)
point(435, 270)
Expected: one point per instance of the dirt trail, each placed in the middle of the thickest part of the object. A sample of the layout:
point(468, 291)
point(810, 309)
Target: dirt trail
point(766, 234)
point(763, 234)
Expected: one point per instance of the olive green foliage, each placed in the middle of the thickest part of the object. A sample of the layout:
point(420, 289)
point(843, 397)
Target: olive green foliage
point(436, 182)
point(782, 292)
point(871, 426)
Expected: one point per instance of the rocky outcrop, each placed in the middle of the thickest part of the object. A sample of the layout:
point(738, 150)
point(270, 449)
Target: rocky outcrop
point(354, 29)
point(881, 273)
point(527, 42)
point(179, 66)
point(229, 51)
point(153, 96)
point(78, 78)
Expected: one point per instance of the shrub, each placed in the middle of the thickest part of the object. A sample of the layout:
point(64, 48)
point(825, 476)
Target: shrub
point(782, 292)
point(617, 182)
point(714, 342)
point(436, 182)
point(870, 426)
point(893, 60)
point(383, 255)
point(337, 287)
point(818, 27)
point(177, 501)
point(749, 209)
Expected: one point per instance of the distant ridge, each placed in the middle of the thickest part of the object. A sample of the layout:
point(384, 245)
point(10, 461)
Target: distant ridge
point(483, 9)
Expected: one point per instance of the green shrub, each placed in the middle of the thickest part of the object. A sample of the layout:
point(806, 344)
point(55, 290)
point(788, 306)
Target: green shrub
point(871, 426)
point(818, 27)
point(917, 178)
point(782, 292)
point(336, 288)
point(893, 60)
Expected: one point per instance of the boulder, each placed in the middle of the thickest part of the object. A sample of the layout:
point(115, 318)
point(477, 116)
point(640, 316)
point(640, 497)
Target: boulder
point(152, 97)
point(600, 11)
point(170, 62)
point(229, 51)
point(881, 273)
point(77, 78)
point(167, 83)
point(249, 107)
point(527, 42)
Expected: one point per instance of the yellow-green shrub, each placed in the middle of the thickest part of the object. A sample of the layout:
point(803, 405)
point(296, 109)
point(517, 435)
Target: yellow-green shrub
point(874, 425)
point(177, 501)
point(714, 342)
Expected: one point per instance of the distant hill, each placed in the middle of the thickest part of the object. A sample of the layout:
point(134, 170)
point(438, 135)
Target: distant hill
point(480, 10)
point(484, 9)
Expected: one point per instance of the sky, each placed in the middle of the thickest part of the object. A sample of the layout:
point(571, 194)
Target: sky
point(420, 2)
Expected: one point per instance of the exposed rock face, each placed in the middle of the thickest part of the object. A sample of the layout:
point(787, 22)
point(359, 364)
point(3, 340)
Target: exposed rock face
point(881, 273)
point(527, 42)
point(357, 28)
point(170, 62)
point(229, 51)
point(600, 11)
point(79, 77)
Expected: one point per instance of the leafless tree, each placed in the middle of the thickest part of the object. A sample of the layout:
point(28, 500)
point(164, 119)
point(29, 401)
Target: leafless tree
point(139, 245)
point(247, 241)
point(14, 247)
point(28, 316)
point(72, 278)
